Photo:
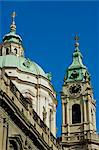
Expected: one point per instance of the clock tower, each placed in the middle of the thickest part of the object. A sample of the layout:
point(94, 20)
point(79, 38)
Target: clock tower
point(78, 107)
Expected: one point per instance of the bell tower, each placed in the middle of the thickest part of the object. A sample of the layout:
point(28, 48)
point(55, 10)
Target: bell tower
point(78, 107)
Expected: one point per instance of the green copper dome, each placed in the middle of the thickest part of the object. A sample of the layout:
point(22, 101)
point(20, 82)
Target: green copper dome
point(22, 64)
point(13, 56)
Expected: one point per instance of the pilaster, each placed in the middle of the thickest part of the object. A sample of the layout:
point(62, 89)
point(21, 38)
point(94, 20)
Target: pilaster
point(4, 134)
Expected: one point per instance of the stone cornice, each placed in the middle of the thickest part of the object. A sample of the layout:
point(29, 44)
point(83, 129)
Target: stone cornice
point(23, 123)
point(36, 86)
point(28, 73)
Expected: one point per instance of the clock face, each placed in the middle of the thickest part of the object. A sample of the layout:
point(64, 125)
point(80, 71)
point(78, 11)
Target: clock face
point(75, 89)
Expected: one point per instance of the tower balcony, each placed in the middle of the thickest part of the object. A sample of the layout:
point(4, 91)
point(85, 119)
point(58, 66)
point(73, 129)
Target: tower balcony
point(81, 138)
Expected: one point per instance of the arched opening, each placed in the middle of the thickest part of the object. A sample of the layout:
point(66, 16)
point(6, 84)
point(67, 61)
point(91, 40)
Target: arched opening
point(76, 114)
point(7, 51)
point(15, 51)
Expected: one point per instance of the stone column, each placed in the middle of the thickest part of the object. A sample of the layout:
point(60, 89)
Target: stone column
point(89, 113)
point(85, 111)
point(54, 122)
point(89, 110)
point(63, 112)
point(67, 111)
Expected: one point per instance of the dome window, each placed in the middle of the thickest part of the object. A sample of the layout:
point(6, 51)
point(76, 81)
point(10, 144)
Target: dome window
point(27, 63)
point(7, 51)
point(15, 51)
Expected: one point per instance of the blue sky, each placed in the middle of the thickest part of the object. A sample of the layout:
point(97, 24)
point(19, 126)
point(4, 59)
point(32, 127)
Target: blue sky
point(48, 29)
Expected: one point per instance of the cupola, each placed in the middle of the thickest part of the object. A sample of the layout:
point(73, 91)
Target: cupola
point(12, 42)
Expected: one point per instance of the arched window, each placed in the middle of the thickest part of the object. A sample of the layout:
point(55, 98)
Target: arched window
point(15, 51)
point(7, 51)
point(76, 114)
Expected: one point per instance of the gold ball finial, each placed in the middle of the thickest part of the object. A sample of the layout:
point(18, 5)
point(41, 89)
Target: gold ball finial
point(76, 39)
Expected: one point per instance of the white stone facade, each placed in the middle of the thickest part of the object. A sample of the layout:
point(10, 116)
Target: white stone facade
point(40, 91)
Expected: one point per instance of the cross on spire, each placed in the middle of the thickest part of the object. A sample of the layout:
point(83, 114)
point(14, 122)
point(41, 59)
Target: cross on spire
point(76, 39)
point(13, 26)
point(13, 17)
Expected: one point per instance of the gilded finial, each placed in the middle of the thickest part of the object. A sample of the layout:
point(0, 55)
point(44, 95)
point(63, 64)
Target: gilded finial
point(76, 39)
point(13, 17)
point(13, 26)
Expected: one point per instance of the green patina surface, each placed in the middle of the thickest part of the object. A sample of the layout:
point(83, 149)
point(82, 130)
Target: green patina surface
point(77, 71)
point(12, 37)
point(22, 64)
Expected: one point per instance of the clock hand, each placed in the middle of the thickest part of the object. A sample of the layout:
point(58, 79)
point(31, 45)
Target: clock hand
point(76, 89)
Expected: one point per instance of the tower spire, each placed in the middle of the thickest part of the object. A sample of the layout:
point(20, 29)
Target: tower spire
point(13, 26)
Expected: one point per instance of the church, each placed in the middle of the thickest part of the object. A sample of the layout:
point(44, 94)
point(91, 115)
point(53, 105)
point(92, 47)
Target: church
point(28, 102)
